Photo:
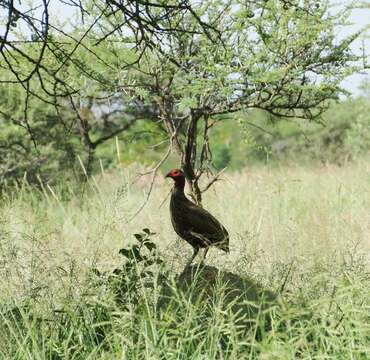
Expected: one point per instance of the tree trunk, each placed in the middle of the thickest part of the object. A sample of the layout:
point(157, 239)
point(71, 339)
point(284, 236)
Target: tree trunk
point(188, 160)
point(187, 152)
point(83, 128)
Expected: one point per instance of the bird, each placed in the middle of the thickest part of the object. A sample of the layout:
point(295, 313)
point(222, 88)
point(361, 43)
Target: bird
point(193, 223)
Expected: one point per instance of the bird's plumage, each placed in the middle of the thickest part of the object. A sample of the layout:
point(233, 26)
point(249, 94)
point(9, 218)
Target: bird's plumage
point(193, 223)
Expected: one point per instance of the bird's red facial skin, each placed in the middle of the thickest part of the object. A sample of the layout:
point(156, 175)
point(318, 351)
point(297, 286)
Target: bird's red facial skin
point(175, 174)
point(178, 176)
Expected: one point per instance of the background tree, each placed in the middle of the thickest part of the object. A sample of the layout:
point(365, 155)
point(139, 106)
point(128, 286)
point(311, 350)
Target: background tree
point(188, 65)
point(67, 69)
point(273, 55)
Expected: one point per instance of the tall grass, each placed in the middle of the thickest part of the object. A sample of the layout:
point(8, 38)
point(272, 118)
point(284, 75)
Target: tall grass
point(295, 285)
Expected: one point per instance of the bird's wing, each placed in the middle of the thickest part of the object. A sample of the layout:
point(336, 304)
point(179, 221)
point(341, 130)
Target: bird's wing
point(202, 224)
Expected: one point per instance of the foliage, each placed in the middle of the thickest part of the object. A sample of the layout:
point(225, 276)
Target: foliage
point(34, 144)
point(137, 273)
point(265, 58)
point(182, 66)
point(221, 156)
point(321, 318)
point(342, 136)
point(55, 305)
point(242, 140)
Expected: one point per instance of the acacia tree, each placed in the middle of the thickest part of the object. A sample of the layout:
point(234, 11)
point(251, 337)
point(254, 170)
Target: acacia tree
point(34, 24)
point(274, 55)
point(193, 63)
point(72, 72)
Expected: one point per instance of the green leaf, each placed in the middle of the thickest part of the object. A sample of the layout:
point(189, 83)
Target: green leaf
point(150, 245)
point(139, 237)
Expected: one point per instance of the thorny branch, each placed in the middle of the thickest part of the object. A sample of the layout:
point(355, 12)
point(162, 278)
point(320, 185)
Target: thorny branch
point(153, 173)
point(149, 21)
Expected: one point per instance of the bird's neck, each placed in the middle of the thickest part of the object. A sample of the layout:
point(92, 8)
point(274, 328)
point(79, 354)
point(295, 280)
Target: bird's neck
point(178, 189)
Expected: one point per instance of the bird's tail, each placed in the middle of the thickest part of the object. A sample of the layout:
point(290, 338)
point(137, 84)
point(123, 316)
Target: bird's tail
point(224, 245)
point(225, 248)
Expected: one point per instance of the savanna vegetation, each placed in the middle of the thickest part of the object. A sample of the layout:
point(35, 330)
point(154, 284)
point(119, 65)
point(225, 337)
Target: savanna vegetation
point(245, 96)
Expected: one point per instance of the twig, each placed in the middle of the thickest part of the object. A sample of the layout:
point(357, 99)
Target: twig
point(286, 277)
point(154, 173)
point(213, 180)
point(164, 200)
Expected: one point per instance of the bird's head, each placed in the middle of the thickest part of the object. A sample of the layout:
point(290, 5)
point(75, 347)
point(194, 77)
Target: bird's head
point(178, 177)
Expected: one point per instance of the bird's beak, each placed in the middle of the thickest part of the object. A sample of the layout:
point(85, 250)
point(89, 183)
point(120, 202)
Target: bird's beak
point(168, 175)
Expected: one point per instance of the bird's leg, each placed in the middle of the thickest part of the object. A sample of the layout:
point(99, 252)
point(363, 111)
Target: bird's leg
point(195, 253)
point(205, 254)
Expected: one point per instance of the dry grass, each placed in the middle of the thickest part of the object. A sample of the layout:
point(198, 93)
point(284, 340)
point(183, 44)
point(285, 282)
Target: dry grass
point(303, 229)
point(273, 216)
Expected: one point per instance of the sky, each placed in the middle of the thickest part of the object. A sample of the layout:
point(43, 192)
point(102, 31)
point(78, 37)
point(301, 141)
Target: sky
point(360, 18)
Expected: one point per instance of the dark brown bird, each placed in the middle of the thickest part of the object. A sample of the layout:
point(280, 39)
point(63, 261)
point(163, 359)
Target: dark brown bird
point(192, 223)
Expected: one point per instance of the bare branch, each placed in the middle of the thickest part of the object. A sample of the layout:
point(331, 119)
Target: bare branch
point(213, 180)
